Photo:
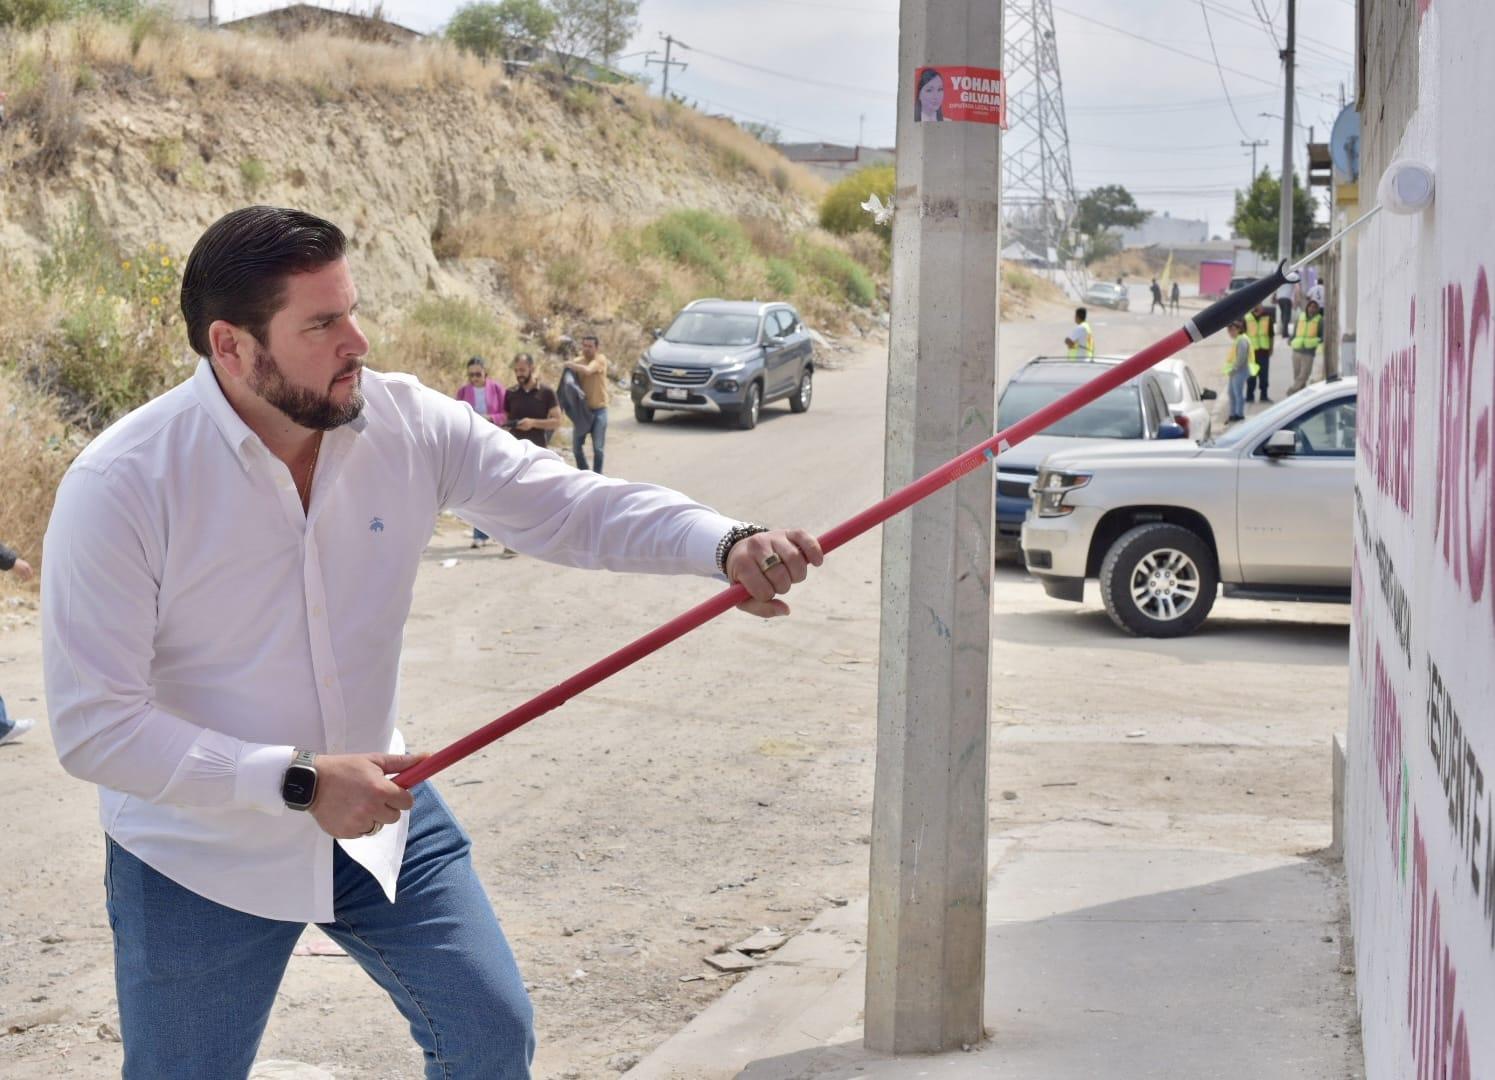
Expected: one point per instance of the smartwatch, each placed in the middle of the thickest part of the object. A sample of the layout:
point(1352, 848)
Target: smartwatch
point(299, 787)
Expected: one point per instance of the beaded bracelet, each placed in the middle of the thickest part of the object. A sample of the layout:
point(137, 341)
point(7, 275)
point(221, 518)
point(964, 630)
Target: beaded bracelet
point(734, 534)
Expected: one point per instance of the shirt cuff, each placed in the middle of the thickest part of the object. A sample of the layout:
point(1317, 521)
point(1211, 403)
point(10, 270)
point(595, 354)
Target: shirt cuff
point(701, 545)
point(258, 774)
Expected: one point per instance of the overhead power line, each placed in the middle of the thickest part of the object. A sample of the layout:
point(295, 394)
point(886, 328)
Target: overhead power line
point(1210, 33)
point(794, 76)
point(1323, 49)
point(1171, 106)
point(1167, 48)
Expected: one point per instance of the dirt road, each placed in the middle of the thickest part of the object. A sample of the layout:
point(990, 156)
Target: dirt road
point(722, 785)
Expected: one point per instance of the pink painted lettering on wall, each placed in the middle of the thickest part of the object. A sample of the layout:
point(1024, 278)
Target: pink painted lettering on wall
point(1393, 419)
point(1386, 731)
point(1440, 1033)
point(1464, 480)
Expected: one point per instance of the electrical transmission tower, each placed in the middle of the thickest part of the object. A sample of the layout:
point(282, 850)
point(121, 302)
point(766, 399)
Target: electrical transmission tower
point(1038, 187)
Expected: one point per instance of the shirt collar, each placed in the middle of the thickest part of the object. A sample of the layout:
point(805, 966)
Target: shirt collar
point(239, 436)
point(229, 423)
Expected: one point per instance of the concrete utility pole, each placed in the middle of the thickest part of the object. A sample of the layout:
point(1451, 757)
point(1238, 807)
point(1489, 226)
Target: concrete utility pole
point(1289, 60)
point(1253, 144)
point(667, 63)
point(926, 938)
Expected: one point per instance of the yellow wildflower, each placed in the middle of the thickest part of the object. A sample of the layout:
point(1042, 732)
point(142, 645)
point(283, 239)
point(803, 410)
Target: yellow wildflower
point(155, 301)
point(165, 260)
point(125, 265)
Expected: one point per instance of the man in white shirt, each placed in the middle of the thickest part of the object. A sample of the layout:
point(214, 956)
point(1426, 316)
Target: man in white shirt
point(228, 573)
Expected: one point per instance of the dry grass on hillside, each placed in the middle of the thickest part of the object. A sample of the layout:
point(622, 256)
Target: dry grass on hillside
point(176, 54)
point(45, 70)
point(562, 270)
point(35, 450)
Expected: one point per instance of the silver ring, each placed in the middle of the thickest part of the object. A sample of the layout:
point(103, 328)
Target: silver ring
point(376, 827)
point(769, 563)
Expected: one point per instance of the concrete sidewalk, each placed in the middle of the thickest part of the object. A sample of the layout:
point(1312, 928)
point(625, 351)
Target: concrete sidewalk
point(1102, 961)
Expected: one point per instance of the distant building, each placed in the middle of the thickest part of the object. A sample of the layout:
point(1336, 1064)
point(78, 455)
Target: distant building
point(294, 20)
point(1161, 230)
point(833, 161)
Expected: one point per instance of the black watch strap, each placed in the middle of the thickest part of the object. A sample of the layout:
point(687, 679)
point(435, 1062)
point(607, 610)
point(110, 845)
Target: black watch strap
point(298, 788)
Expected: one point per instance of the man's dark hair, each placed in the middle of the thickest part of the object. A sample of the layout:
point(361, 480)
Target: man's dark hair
point(1080, 314)
point(526, 357)
point(590, 337)
point(237, 270)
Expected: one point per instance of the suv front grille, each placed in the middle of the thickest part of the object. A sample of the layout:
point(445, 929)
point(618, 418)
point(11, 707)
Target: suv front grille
point(1017, 486)
point(668, 375)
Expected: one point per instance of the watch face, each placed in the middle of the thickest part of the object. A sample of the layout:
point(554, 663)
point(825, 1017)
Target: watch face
point(299, 786)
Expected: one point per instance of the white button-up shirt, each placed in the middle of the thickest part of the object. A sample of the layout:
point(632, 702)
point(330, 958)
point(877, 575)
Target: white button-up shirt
point(198, 624)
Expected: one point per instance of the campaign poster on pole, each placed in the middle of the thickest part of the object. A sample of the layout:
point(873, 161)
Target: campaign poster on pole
point(970, 95)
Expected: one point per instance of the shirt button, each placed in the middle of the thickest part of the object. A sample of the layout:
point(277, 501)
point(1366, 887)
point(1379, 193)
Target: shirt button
point(327, 682)
point(316, 612)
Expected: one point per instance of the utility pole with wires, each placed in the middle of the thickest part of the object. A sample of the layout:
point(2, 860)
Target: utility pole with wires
point(1289, 61)
point(1253, 144)
point(669, 43)
point(926, 932)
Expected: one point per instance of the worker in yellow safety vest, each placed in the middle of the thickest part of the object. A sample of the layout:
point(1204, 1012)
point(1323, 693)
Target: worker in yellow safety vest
point(1306, 341)
point(1259, 330)
point(1237, 364)
point(1081, 340)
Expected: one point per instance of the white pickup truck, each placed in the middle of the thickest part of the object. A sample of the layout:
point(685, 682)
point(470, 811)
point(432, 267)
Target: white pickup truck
point(1265, 510)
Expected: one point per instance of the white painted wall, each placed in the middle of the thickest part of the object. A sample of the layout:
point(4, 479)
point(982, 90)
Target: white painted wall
point(1420, 839)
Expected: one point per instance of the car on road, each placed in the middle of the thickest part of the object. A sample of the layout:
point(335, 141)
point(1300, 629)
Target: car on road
point(1240, 281)
point(1136, 411)
point(1187, 401)
point(726, 358)
point(1107, 294)
point(1265, 510)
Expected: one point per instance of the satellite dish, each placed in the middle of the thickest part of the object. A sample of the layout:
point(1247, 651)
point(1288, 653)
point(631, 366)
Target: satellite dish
point(1344, 143)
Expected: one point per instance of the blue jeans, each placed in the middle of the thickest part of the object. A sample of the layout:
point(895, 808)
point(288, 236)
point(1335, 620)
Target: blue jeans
point(598, 432)
point(6, 723)
point(196, 980)
point(1238, 379)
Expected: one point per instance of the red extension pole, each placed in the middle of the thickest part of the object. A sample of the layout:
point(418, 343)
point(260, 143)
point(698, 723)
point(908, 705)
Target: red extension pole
point(1206, 323)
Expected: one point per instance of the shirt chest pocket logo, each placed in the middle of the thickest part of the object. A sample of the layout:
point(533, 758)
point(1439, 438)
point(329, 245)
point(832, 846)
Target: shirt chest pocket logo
point(376, 525)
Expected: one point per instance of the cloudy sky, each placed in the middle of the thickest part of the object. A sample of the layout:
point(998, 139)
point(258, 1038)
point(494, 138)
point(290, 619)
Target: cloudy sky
point(1145, 101)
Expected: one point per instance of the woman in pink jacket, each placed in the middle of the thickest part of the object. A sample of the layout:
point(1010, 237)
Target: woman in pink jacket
point(486, 396)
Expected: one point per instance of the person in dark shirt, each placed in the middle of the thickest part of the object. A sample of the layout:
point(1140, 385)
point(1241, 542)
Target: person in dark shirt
point(533, 410)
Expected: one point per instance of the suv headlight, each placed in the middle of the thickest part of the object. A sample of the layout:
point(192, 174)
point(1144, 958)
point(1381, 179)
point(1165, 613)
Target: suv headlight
point(1052, 487)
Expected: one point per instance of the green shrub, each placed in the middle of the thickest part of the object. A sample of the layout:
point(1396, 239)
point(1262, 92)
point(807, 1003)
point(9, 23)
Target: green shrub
point(782, 277)
point(166, 155)
point(28, 14)
point(841, 211)
point(116, 341)
point(843, 272)
point(677, 238)
point(565, 275)
point(254, 173)
point(439, 334)
point(107, 363)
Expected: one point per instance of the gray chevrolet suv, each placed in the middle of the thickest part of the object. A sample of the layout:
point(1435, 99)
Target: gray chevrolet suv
point(726, 358)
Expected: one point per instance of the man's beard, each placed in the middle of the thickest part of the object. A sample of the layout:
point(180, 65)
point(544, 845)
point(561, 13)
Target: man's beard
point(318, 412)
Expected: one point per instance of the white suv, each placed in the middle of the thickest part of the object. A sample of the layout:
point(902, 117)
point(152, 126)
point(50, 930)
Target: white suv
point(1265, 510)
